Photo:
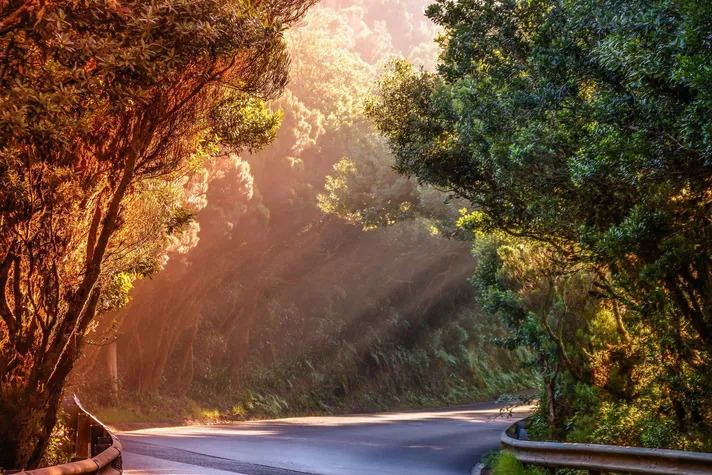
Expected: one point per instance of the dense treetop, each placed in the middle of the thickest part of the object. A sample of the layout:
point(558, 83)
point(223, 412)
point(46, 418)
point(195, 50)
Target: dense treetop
point(584, 124)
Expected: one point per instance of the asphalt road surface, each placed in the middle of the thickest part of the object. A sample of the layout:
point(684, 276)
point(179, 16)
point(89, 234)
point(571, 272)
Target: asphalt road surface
point(431, 442)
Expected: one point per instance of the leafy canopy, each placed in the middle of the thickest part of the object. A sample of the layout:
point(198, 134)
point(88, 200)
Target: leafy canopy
point(584, 124)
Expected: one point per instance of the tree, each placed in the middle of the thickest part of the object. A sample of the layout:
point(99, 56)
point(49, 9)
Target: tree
point(583, 124)
point(103, 106)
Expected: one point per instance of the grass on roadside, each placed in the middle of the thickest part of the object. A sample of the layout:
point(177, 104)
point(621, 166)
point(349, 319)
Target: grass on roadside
point(505, 463)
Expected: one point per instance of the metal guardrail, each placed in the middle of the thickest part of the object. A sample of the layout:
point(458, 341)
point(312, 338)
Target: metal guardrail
point(97, 450)
point(597, 458)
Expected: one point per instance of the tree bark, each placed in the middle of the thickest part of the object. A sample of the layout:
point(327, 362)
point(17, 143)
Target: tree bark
point(113, 368)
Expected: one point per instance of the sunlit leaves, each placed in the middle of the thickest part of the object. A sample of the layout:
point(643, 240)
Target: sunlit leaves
point(244, 122)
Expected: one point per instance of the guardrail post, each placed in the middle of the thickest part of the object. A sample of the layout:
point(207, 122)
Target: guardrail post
point(83, 436)
point(96, 433)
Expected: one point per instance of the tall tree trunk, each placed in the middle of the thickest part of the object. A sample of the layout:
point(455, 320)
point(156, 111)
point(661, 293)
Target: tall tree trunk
point(242, 348)
point(692, 299)
point(185, 377)
point(113, 368)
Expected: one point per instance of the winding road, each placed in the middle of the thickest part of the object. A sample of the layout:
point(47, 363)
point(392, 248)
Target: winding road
point(431, 442)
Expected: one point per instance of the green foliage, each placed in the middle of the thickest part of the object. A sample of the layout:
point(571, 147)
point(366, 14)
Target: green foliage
point(368, 194)
point(116, 294)
point(242, 121)
point(578, 125)
point(58, 447)
point(579, 133)
point(133, 410)
point(364, 190)
point(489, 459)
point(507, 464)
point(600, 381)
point(180, 218)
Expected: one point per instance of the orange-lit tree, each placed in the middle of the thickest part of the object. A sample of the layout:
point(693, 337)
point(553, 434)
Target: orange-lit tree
point(104, 106)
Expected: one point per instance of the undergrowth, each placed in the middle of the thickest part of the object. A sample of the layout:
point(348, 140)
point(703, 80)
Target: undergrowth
point(506, 463)
point(454, 363)
point(58, 449)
